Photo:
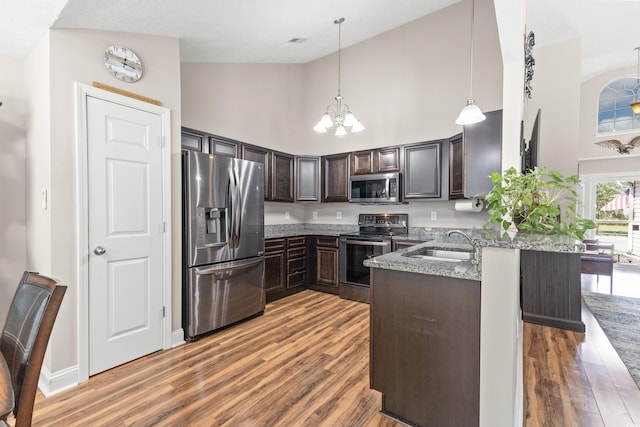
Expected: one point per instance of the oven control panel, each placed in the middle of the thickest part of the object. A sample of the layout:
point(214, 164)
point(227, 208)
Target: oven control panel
point(384, 223)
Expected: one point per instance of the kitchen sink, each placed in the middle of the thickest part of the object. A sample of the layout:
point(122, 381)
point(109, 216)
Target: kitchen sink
point(441, 254)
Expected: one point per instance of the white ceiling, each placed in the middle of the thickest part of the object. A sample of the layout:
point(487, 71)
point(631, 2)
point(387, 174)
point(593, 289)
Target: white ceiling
point(258, 30)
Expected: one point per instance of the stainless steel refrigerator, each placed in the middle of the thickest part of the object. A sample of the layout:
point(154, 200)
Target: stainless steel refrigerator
point(223, 239)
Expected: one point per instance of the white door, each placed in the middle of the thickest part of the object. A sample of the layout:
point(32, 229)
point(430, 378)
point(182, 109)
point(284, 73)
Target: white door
point(125, 233)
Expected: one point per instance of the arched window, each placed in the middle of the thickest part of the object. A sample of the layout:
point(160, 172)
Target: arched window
point(614, 112)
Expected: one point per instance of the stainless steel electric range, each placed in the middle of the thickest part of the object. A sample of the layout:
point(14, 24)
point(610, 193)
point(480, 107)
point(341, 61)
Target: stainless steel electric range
point(372, 239)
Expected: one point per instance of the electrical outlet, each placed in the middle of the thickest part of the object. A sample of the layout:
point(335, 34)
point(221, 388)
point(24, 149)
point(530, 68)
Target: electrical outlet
point(315, 215)
point(286, 215)
point(434, 215)
point(338, 215)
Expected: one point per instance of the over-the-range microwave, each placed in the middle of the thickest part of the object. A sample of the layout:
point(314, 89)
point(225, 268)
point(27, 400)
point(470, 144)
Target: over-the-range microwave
point(376, 188)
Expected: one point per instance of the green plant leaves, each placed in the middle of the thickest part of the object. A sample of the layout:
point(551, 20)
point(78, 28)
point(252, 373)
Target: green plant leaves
point(533, 202)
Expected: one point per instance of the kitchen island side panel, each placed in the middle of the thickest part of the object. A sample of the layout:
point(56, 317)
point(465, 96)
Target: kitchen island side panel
point(425, 347)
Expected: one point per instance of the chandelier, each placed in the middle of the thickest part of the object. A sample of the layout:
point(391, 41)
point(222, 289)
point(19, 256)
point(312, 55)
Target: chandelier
point(343, 117)
point(471, 113)
point(635, 105)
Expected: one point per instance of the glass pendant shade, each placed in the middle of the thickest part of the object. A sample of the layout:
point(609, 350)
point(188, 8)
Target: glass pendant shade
point(635, 107)
point(341, 131)
point(326, 120)
point(470, 114)
point(350, 119)
point(319, 128)
point(357, 127)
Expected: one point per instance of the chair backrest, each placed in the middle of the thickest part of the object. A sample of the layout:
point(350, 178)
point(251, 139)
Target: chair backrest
point(25, 337)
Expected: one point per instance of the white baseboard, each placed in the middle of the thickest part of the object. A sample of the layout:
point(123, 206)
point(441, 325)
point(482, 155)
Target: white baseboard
point(52, 383)
point(177, 338)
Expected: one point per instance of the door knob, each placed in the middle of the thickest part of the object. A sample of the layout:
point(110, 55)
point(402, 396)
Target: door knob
point(99, 250)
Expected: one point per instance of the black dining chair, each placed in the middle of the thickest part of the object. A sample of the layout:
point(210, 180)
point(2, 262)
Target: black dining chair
point(25, 337)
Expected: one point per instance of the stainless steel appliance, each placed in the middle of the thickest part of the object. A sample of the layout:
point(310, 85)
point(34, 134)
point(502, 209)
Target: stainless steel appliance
point(376, 188)
point(373, 239)
point(223, 239)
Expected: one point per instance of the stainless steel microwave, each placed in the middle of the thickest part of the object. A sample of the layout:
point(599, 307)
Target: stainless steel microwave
point(376, 188)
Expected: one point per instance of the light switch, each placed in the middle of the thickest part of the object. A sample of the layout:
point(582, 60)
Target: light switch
point(434, 215)
point(44, 198)
point(338, 215)
point(315, 215)
point(286, 215)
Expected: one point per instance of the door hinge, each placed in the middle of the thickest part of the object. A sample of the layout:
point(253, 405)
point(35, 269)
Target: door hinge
point(163, 227)
point(163, 141)
point(164, 311)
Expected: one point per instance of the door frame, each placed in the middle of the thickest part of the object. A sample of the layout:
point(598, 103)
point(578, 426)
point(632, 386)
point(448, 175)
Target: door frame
point(82, 92)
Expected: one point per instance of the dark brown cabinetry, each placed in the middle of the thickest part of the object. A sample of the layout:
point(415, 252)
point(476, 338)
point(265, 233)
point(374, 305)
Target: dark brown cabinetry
point(325, 269)
point(296, 261)
point(260, 155)
point(335, 178)
point(422, 174)
point(396, 245)
point(275, 264)
point(223, 146)
point(425, 347)
point(380, 160)
point(551, 289)
point(281, 177)
point(193, 140)
point(474, 155)
point(307, 179)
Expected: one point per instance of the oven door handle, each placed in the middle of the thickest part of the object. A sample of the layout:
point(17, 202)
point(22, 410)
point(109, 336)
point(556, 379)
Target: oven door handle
point(366, 243)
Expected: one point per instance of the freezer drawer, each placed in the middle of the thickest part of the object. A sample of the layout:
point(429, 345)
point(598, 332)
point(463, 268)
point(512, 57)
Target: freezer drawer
point(217, 295)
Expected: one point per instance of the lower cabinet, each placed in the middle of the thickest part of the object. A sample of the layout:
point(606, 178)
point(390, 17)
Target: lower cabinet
point(275, 263)
point(296, 262)
point(551, 289)
point(325, 270)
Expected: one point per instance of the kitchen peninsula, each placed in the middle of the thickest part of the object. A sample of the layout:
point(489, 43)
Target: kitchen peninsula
point(446, 337)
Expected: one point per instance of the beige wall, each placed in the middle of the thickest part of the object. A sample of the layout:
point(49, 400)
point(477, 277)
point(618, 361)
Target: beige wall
point(13, 119)
point(556, 91)
point(63, 58)
point(406, 85)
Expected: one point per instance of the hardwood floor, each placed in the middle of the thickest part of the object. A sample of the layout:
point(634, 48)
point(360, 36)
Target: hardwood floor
point(305, 363)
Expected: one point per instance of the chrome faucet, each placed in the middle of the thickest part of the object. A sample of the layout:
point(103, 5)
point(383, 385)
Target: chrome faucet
point(471, 241)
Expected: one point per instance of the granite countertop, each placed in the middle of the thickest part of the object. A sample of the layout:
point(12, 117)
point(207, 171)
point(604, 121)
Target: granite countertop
point(529, 241)
point(399, 262)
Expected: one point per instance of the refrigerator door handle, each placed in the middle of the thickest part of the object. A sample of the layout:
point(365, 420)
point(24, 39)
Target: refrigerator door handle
point(238, 218)
point(228, 266)
point(231, 213)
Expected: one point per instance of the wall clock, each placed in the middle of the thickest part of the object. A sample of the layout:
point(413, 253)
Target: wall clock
point(123, 63)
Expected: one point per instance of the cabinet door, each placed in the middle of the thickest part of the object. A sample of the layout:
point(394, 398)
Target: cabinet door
point(422, 170)
point(482, 153)
point(281, 177)
point(260, 155)
point(307, 179)
point(335, 178)
point(327, 270)
point(275, 263)
point(456, 167)
point(387, 160)
point(223, 146)
point(192, 140)
point(361, 162)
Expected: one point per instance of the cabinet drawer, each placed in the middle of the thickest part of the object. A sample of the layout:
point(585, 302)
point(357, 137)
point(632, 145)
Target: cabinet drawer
point(296, 252)
point(294, 242)
point(327, 241)
point(296, 265)
point(296, 279)
point(273, 245)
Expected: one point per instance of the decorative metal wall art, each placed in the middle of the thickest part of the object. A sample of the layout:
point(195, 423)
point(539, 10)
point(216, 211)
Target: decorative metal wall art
point(529, 62)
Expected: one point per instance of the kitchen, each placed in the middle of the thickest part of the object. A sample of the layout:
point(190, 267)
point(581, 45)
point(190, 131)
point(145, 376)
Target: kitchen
point(201, 99)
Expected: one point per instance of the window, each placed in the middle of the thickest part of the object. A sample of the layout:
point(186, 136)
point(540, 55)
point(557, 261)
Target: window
point(614, 112)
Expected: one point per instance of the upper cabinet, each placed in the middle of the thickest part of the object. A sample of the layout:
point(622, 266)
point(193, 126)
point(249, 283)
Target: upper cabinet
point(193, 140)
point(422, 173)
point(282, 177)
point(260, 155)
point(307, 173)
point(380, 160)
point(474, 155)
point(223, 146)
point(335, 178)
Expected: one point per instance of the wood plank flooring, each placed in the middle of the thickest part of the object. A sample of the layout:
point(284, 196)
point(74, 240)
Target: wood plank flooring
point(305, 363)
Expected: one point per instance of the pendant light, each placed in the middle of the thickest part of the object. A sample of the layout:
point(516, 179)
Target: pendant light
point(635, 105)
point(343, 117)
point(471, 113)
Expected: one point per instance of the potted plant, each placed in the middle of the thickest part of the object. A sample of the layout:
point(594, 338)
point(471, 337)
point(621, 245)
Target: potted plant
point(539, 201)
